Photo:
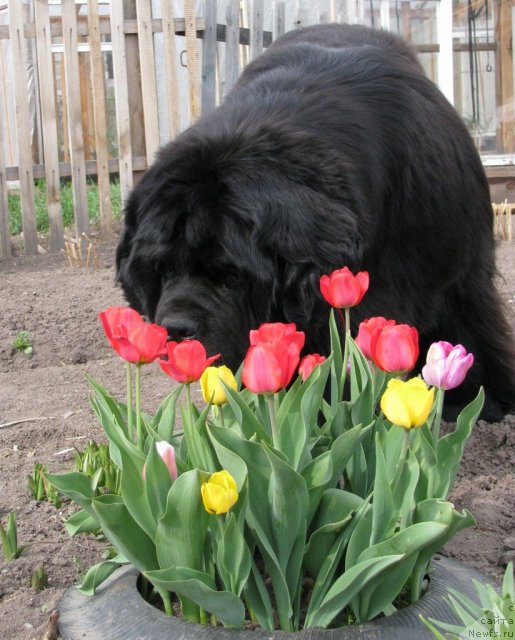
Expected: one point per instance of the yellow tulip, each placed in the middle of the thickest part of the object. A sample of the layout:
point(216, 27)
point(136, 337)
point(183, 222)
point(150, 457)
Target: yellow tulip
point(219, 493)
point(407, 404)
point(212, 388)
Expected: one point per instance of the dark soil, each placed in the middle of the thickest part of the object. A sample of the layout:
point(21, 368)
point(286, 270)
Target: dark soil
point(44, 416)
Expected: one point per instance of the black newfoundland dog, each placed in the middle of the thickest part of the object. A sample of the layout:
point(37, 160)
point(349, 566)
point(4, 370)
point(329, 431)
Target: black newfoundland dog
point(333, 150)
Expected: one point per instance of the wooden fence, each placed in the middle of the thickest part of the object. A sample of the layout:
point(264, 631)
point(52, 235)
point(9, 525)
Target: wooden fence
point(75, 84)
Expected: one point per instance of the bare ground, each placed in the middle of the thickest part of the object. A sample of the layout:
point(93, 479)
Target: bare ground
point(45, 397)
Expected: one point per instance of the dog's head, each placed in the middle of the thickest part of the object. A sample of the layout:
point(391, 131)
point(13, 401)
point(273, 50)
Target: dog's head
point(225, 233)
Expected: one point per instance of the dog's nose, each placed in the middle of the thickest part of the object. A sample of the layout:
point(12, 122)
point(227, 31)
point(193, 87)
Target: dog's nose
point(181, 328)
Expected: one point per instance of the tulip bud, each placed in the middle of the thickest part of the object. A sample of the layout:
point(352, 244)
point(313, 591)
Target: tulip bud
point(167, 454)
point(219, 493)
point(211, 384)
point(187, 360)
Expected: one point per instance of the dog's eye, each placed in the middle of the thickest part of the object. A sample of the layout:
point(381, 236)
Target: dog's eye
point(228, 277)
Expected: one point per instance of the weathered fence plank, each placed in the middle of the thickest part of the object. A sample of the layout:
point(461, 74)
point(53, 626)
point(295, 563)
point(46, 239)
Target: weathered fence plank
point(5, 243)
point(192, 58)
point(208, 94)
point(256, 29)
point(49, 124)
point(19, 63)
point(74, 116)
point(123, 118)
point(232, 42)
point(148, 77)
point(170, 68)
point(100, 118)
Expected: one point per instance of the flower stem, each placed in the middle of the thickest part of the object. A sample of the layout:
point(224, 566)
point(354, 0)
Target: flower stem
point(440, 394)
point(167, 601)
point(273, 419)
point(130, 425)
point(402, 458)
point(345, 316)
point(139, 420)
point(220, 415)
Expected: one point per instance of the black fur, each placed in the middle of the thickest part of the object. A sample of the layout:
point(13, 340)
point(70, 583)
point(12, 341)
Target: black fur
point(333, 149)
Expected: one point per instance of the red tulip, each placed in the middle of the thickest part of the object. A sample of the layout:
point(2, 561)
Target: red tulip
point(131, 337)
point(272, 358)
point(186, 360)
point(343, 289)
point(395, 348)
point(367, 332)
point(308, 363)
point(276, 331)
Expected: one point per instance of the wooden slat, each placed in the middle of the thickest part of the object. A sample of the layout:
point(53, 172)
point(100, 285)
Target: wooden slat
point(192, 53)
point(279, 26)
point(170, 69)
point(256, 29)
point(23, 123)
point(100, 119)
point(232, 53)
point(148, 77)
point(208, 93)
point(75, 132)
point(123, 117)
point(49, 124)
point(5, 243)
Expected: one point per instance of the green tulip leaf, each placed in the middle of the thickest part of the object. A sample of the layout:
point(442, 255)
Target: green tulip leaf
point(233, 556)
point(164, 419)
point(450, 447)
point(157, 482)
point(134, 492)
point(182, 530)
point(97, 574)
point(75, 486)
point(124, 533)
point(258, 599)
point(361, 386)
point(199, 587)
point(342, 449)
point(346, 587)
point(250, 426)
point(288, 502)
point(82, 522)
point(383, 515)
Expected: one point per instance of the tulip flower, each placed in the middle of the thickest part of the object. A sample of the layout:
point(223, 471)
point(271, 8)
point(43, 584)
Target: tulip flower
point(167, 454)
point(132, 338)
point(187, 360)
point(407, 404)
point(219, 493)
point(211, 384)
point(277, 331)
point(269, 366)
point(308, 363)
point(395, 348)
point(368, 331)
point(446, 365)
point(342, 289)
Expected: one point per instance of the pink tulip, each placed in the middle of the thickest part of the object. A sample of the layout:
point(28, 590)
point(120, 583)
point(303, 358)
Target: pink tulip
point(446, 365)
point(167, 454)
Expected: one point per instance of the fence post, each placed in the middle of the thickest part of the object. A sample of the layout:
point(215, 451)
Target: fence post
point(232, 43)
point(208, 100)
point(256, 29)
point(190, 18)
point(49, 124)
point(100, 119)
point(26, 176)
point(133, 71)
point(76, 135)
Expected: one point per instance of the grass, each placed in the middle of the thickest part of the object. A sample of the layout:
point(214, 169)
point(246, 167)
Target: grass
point(40, 199)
